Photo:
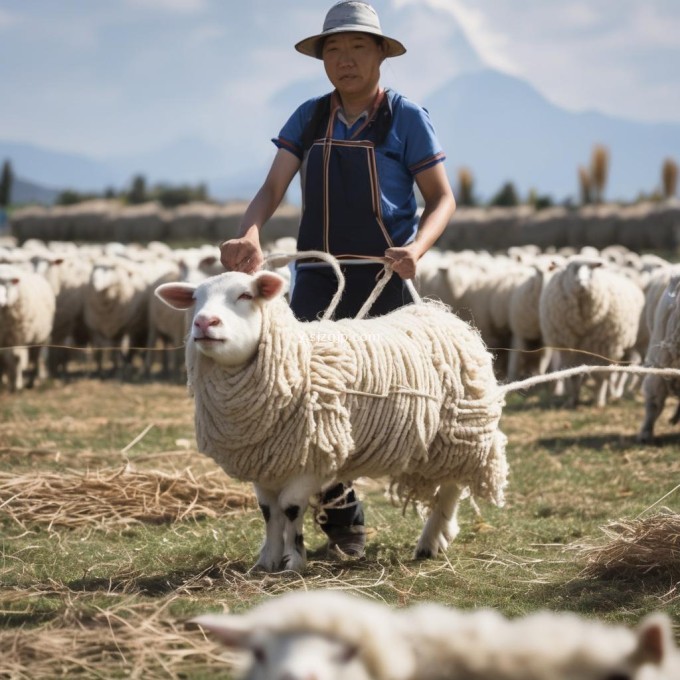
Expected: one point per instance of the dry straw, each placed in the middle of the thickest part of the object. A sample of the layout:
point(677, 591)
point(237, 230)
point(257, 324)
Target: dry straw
point(118, 497)
point(123, 641)
point(637, 547)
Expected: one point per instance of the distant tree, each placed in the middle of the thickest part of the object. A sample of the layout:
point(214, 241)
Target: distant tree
point(109, 193)
point(6, 180)
point(137, 193)
point(506, 196)
point(599, 171)
point(71, 197)
point(465, 194)
point(585, 186)
point(171, 196)
point(669, 178)
point(539, 201)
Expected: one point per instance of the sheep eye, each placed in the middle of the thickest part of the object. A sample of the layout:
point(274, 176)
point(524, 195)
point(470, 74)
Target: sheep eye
point(259, 654)
point(348, 653)
point(618, 676)
point(245, 296)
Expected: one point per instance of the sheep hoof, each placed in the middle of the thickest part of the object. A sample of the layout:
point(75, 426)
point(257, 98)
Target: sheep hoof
point(645, 438)
point(294, 562)
point(424, 554)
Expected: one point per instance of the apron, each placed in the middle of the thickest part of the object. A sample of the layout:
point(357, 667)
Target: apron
point(342, 207)
point(343, 216)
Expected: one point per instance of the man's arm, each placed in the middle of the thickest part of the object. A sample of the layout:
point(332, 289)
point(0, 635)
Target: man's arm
point(244, 254)
point(439, 207)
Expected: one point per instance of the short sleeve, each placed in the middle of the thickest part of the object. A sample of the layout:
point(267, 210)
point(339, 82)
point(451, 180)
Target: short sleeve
point(422, 148)
point(290, 137)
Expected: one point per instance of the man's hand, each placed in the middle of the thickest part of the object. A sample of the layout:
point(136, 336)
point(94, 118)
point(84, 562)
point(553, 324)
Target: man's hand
point(241, 255)
point(404, 260)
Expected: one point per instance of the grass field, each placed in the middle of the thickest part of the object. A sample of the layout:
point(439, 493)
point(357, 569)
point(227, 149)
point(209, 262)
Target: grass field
point(111, 540)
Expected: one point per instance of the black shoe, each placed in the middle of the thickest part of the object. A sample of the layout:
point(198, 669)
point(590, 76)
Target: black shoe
point(350, 541)
point(341, 517)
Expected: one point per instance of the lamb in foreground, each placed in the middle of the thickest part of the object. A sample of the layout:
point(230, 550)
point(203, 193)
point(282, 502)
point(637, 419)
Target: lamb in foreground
point(293, 406)
point(331, 635)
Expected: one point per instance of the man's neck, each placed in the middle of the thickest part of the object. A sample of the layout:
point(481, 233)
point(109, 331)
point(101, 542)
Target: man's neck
point(353, 107)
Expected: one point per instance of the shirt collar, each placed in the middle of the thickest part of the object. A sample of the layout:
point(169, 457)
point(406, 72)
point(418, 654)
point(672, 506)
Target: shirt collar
point(367, 114)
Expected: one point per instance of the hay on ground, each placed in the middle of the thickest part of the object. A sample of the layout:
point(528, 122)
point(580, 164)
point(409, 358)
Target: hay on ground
point(635, 547)
point(118, 497)
point(122, 641)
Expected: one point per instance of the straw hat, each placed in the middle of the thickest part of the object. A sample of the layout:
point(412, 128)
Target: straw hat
point(349, 15)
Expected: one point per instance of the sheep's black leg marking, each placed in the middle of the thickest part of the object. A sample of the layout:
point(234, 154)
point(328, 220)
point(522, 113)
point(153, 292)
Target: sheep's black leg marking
point(266, 512)
point(292, 512)
point(423, 554)
point(299, 548)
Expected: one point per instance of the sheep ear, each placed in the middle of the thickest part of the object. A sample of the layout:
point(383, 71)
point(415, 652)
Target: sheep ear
point(269, 285)
point(230, 630)
point(654, 639)
point(176, 295)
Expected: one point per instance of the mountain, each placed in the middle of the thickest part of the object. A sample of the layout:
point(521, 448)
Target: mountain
point(25, 192)
point(57, 169)
point(498, 125)
point(503, 129)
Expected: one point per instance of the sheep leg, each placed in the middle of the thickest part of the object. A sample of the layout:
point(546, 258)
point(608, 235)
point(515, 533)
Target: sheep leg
point(441, 526)
point(293, 502)
point(573, 390)
point(656, 390)
point(515, 361)
point(602, 383)
point(271, 551)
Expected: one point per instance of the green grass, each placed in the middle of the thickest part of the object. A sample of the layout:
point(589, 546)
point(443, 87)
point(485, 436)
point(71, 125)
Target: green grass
point(571, 473)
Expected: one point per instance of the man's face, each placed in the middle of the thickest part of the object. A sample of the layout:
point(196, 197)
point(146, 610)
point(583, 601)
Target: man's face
point(352, 62)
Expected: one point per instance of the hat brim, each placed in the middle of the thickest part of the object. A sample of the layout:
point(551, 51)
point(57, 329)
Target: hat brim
point(309, 46)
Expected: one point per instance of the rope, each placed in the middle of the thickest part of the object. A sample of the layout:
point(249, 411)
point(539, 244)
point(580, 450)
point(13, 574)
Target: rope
point(583, 370)
point(276, 260)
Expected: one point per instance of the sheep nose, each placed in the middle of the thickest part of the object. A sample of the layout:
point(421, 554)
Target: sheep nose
point(204, 322)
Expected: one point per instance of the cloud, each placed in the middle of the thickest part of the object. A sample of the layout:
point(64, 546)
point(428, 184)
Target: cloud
point(490, 44)
point(8, 19)
point(582, 54)
point(176, 6)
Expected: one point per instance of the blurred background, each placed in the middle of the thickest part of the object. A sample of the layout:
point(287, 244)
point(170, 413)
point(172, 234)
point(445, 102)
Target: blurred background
point(179, 99)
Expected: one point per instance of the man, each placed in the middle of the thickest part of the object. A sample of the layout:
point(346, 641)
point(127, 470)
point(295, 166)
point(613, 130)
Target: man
point(359, 151)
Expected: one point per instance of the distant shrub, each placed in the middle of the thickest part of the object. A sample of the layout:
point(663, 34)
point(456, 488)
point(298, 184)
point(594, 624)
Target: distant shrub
point(465, 195)
point(506, 196)
point(669, 178)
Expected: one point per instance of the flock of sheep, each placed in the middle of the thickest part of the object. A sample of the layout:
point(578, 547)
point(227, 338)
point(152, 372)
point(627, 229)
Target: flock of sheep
point(416, 395)
point(539, 311)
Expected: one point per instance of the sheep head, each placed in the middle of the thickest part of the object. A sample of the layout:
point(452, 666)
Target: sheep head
point(10, 278)
point(227, 312)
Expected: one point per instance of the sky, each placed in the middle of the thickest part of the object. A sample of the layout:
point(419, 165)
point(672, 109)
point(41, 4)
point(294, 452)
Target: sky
point(107, 78)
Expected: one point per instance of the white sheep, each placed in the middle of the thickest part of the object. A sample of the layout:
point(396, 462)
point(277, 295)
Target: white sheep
point(345, 637)
point(525, 323)
point(116, 301)
point(663, 352)
point(27, 305)
point(590, 314)
point(293, 406)
point(68, 274)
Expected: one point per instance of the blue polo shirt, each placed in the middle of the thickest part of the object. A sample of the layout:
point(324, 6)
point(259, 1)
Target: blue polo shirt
point(410, 147)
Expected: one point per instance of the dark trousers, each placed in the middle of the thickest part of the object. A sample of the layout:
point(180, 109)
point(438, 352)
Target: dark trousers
point(312, 294)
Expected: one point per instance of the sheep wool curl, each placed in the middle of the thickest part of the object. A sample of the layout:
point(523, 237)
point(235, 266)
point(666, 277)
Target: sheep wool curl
point(411, 394)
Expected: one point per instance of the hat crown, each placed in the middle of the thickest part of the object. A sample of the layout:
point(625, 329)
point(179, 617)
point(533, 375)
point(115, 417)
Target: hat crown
point(351, 14)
